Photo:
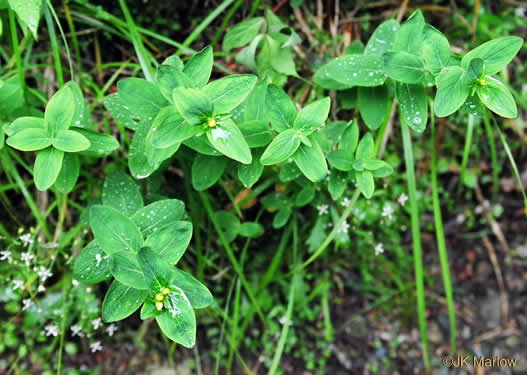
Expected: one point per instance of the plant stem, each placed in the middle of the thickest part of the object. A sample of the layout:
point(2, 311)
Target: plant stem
point(466, 152)
point(333, 233)
point(416, 237)
point(225, 22)
point(494, 158)
point(440, 236)
point(16, 49)
point(54, 45)
point(231, 256)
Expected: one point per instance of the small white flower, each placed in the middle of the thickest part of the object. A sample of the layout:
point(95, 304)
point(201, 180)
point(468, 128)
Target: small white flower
point(51, 330)
point(41, 289)
point(96, 323)
point(322, 209)
point(26, 258)
point(76, 330)
point(345, 202)
point(26, 304)
point(98, 258)
point(402, 199)
point(520, 12)
point(379, 249)
point(50, 245)
point(5, 255)
point(44, 273)
point(344, 228)
point(460, 218)
point(18, 284)
point(26, 239)
point(387, 211)
point(96, 346)
point(111, 329)
point(74, 282)
point(283, 320)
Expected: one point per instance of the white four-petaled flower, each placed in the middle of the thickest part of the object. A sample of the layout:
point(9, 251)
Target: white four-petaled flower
point(18, 284)
point(76, 330)
point(95, 346)
point(96, 323)
point(44, 273)
point(402, 199)
point(344, 228)
point(345, 202)
point(51, 330)
point(111, 329)
point(387, 211)
point(5, 255)
point(26, 304)
point(379, 249)
point(26, 239)
point(26, 257)
point(322, 209)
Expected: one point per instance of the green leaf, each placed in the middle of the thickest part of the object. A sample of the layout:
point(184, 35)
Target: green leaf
point(409, 38)
point(497, 98)
point(121, 192)
point(30, 139)
point(243, 33)
point(113, 231)
point(247, 55)
point(120, 112)
point(60, 111)
point(156, 270)
point(311, 161)
point(228, 139)
point(256, 109)
point(142, 98)
point(228, 92)
point(281, 217)
point(337, 184)
point(366, 183)
point(92, 265)
point(172, 241)
point(199, 67)
point(156, 156)
point(138, 155)
point(312, 116)
point(289, 172)
point(374, 105)
point(475, 71)
point(281, 148)
point(28, 12)
point(201, 144)
point(126, 270)
point(452, 91)
point(169, 128)
point(249, 174)
point(158, 215)
point(280, 110)
point(366, 148)
point(350, 138)
point(382, 39)
point(305, 196)
point(174, 61)
point(148, 310)
point(351, 70)
point(70, 141)
point(257, 133)
point(382, 170)
point(496, 53)
point(229, 223)
point(168, 78)
point(194, 106)
point(178, 321)
point(413, 104)
point(436, 50)
point(354, 48)
point(341, 160)
point(121, 301)
point(207, 170)
point(100, 144)
point(69, 173)
point(23, 123)
point(11, 95)
point(281, 57)
point(251, 230)
point(403, 67)
point(197, 293)
point(47, 167)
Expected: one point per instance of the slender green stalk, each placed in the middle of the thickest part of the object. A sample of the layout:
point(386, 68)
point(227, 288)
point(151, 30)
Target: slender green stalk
point(440, 236)
point(16, 50)
point(466, 152)
point(285, 329)
point(142, 55)
point(66, 46)
point(514, 167)
point(197, 31)
point(232, 258)
point(416, 237)
point(494, 159)
point(54, 45)
point(335, 230)
point(225, 22)
point(74, 39)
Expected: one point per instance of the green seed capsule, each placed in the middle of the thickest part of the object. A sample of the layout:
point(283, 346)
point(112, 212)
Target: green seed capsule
point(159, 297)
point(165, 291)
point(159, 306)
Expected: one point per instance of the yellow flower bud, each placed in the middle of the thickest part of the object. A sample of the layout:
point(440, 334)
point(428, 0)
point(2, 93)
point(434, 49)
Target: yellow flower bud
point(165, 291)
point(159, 297)
point(212, 123)
point(159, 306)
